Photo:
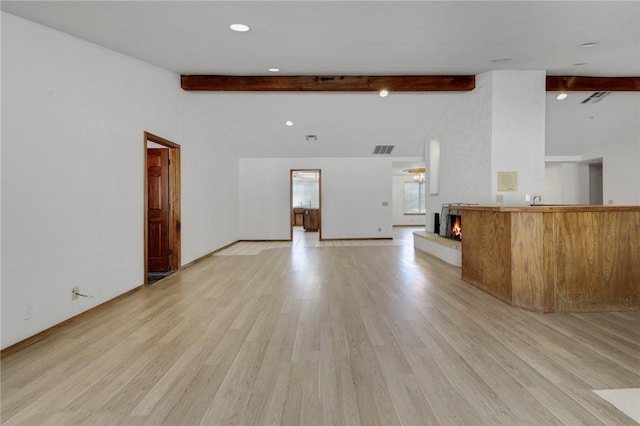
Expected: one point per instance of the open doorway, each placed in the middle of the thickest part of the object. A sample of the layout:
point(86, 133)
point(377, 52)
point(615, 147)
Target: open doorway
point(305, 205)
point(595, 183)
point(162, 239)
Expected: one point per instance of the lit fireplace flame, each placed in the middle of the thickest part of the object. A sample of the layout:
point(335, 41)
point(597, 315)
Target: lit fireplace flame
point(456, 229)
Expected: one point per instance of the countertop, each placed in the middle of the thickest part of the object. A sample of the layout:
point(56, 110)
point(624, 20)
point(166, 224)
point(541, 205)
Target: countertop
point(549, 208)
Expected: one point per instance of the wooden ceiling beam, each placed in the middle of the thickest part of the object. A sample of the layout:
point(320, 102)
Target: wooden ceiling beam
point(592, 84)
point(396, 83)
point(410, 83)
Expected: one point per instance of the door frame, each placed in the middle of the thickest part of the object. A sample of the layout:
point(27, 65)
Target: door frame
point(174, 195)
point(291, 220)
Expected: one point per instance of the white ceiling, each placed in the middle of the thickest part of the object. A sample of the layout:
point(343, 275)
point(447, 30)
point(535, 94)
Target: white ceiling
point(367, 38)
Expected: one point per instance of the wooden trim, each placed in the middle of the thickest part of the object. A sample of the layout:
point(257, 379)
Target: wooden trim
point(291, 217)
point(160, 140)
point(211, 253)
point(16, 347)
point(291, 224)
point(396, 83)
point(592, 84)
point(145, 210)
point(263, 241)
point(358, 239)
point(320, 205)
point(175, 189)
point(176, 242)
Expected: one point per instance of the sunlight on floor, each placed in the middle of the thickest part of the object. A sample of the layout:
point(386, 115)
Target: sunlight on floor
point(402, 236)
point(625, 400)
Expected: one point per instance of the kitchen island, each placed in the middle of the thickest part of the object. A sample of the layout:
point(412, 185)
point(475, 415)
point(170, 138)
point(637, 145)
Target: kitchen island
point(554, 258)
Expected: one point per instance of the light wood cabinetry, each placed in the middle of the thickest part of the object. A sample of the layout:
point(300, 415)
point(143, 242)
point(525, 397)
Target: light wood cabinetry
point(555, 258)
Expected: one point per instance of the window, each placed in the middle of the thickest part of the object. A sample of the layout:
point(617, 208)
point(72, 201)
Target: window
point(413, 198)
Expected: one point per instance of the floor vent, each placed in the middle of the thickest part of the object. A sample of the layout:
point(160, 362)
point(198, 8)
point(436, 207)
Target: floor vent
point(383, 149)
point(595, 97)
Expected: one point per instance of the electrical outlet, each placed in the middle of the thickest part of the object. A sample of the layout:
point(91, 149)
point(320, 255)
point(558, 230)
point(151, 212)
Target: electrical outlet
point(74, 293)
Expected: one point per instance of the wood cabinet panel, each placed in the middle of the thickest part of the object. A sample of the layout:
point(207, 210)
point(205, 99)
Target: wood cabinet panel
point(621, 266)
point(488, 263)
point(578, 259)
point(527, 266)
point(311, 220)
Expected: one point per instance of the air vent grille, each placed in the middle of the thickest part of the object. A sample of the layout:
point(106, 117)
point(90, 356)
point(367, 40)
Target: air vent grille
point(596, 97)
point(312, 138)
point(383, 149)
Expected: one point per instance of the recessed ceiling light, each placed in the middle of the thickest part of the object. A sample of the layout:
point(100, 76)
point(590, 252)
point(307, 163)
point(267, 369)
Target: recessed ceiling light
point(561, 96)
point(289, 123)
point(589, 44)
point(580, 64)
point(274, 69)
point(499, 60)
point(241, 28)
point(384, 93)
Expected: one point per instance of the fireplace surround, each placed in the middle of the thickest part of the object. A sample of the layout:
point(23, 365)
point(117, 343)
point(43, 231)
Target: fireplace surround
point(450, 221)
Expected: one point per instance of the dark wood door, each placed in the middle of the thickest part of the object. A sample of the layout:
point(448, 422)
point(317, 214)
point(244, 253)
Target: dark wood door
point(158, 208)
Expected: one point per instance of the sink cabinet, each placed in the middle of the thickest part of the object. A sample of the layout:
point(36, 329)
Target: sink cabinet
point(311, 219)
point(297, 216)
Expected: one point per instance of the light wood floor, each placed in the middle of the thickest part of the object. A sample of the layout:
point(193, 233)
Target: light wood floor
point(328, 335)
point(302, 240)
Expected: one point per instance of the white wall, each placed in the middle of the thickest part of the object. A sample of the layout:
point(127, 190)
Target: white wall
point(566, 183)
point(552, 184)
point(305, 193)
point(569, 182)
point(73, 117)
point(518, 132)
point(399, 218)
point(595, 183)
point(620, 169)
point(353, 190)
point(209, 182)
point(499, 126)
point(464, 133)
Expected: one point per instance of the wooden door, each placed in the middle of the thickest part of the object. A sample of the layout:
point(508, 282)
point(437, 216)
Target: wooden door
point(158, 216)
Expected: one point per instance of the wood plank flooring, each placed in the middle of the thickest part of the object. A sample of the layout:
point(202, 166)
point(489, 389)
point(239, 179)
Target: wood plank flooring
point(357, 335)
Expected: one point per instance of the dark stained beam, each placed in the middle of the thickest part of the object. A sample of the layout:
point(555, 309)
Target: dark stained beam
point(592, 84)
point(396, 83)
point(409, 83)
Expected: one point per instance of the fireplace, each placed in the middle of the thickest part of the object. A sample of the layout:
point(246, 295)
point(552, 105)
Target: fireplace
point(451, 222)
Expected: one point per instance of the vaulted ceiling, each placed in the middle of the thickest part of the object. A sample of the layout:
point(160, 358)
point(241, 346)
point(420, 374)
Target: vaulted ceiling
point(368, 38)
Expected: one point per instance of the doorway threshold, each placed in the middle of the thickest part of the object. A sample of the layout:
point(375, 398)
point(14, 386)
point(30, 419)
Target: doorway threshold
point(154, 277)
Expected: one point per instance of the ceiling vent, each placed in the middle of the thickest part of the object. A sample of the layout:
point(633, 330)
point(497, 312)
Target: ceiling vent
point(595, 97)
point(383, 149)
point(312, 138)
